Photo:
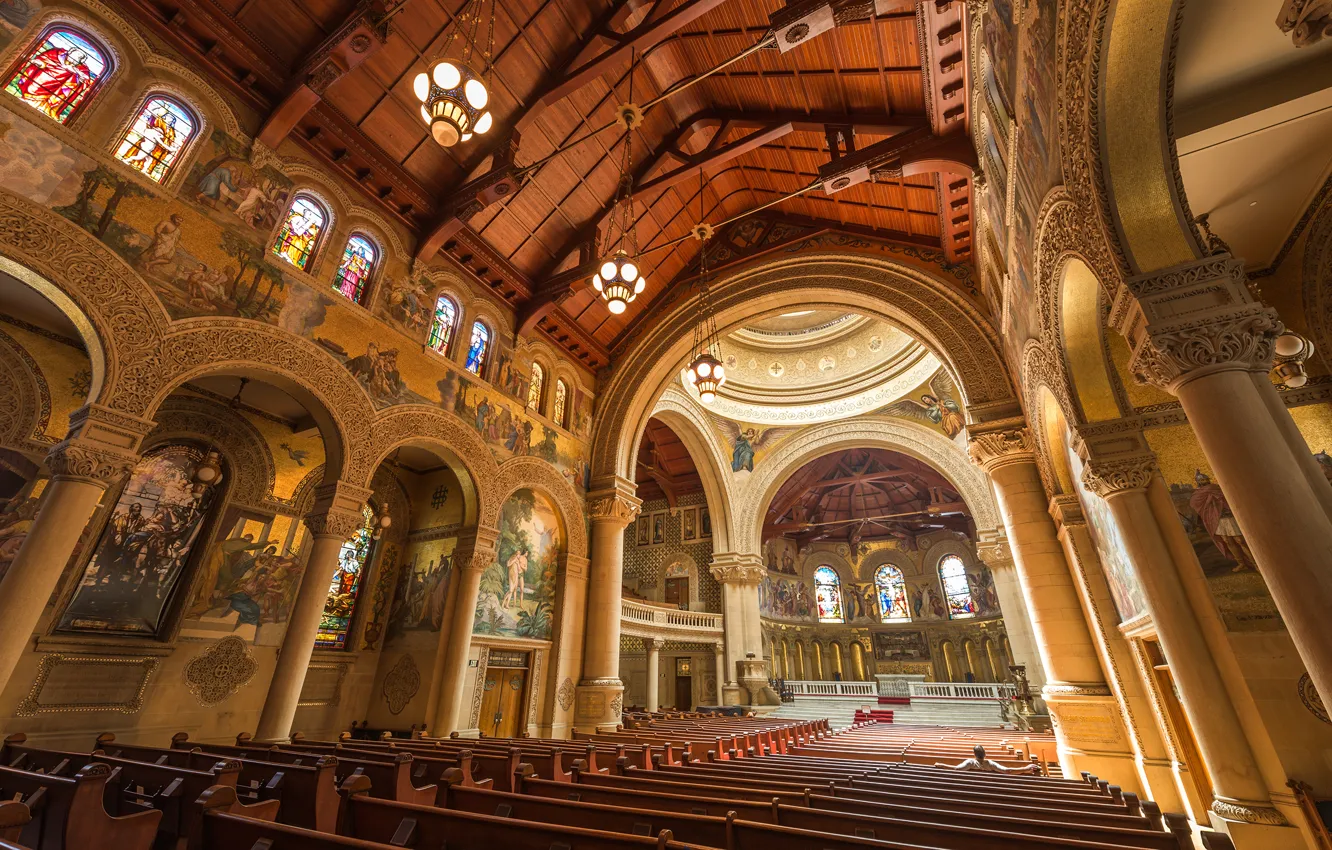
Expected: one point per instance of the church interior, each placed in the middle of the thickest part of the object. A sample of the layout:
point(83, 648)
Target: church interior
point(680, 423)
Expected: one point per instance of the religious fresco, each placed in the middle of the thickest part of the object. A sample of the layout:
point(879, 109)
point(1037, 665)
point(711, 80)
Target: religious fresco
point(248, 579)
point(16, 518)
point(518, 590)
point(926, 602)
point(149, 538)
point(422, 588)
point(209, 253)
point(747, 440)
point(779, 554)
point(780, 599)
point(1240, 593)
point(1125, 589)
point(934, 404)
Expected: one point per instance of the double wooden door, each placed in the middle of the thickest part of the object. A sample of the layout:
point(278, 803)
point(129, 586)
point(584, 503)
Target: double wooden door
point(502, 702)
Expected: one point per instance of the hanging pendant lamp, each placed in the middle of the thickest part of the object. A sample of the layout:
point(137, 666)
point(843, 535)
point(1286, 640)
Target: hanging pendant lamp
point(619, 279)
point(453, 96)
point(705, 371)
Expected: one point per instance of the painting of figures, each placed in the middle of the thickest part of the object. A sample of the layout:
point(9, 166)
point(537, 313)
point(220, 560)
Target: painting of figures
point(781, 556)
point(926, 602)
point(423, 589)
point(901, 645)
point(980, 581)
point(780, 599)
point(518, 589)
point(137, 564)
point(246, 580)
point(1125, 590)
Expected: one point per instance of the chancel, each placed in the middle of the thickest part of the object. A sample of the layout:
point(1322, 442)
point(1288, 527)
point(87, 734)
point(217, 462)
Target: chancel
point(665, 423)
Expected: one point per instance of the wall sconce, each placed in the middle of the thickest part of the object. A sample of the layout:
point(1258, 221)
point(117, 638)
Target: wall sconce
point(1291, 351)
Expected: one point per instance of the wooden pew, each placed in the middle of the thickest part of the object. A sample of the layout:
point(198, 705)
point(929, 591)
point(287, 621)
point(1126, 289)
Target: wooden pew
point(308, 794)
point(222, 827)
point(428, 764)
point(67, 812)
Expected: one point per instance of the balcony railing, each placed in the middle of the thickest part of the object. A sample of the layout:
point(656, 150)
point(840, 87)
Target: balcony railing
point(960, 690)
point(641, 617)
point(832, 689)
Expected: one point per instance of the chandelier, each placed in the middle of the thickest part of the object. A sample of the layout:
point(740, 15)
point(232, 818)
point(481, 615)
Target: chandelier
point(705, 371)
point(454, 96)
point(619, 280)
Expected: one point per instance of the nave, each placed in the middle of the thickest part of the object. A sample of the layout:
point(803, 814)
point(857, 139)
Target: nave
point(670, 780)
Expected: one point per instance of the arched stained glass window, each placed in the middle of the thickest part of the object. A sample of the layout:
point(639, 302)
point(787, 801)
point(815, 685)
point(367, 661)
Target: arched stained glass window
point(559, 403)
point(441, 330)
point(154, 142)
point(828, 594)
point(478, 348)
point(299, 235)
point(535, 387)
point(956, 589)
point(346, 586)
point(891, 587)
point(59, 74)
point(358, 263)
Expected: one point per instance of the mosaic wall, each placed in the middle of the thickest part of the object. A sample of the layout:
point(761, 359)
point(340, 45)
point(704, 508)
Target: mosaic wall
point(644, 565)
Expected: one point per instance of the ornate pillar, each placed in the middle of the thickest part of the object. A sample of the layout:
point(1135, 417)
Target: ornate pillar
point(739, 576)
point(98, 453)
point(998, 556)
point(1155, 763)
point(335, 517)
point(567, 651)
point(471, 557)
point(1239, 788)
point(653, 645)
point(719, 655)
point(600, 699)
point(1197, 333)
point(1082, 709)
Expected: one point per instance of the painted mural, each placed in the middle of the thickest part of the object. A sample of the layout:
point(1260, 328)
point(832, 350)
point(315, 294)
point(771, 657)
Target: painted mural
point(422, 590)
point(518, 590)
point(747, 440)
point(926, 602)
point(207, 252)
point(781, 599)
point(148, 540)
point(1125, 589)
point(779, 554)
point(16, 518)
point(935, 404)
point(248, 580)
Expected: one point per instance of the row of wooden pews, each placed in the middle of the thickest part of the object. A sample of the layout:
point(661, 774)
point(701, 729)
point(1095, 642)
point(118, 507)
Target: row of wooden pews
point(666, 781)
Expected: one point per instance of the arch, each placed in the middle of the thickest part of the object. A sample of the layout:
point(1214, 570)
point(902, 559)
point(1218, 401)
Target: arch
point(1080, 328)
point(303, 230)
point(859, 670)
point(27, 408)
point(838, 655)
point(243, 448)
point(444, 324)
point(684, 417)
point(948, 652)
point(927, 308)
point(866, 432)
point(317, 182)
point(992, 659)
point(559, 403)
point(534, 473)
point(38, 80)
point(816, 661)
point(159, 136)
point(536, 387)
point(974, 665)
point(801, 667)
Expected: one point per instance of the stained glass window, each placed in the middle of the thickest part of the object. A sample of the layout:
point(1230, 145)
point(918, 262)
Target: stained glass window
point(154, 142)
point(828, 594)
point(891, 588)
point(478, 348)
point(956, 589)
point(559, 403)
point(441, 331)
point(534, 388)
point(299, 234)
point(346, 586)
point(59, 73)
point(358, 261)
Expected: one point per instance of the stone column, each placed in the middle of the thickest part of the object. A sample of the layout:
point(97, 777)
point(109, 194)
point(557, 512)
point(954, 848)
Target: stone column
point(600, 698)
point(1197, 333)
point(1075, 691)
point(998, 556)
point(335, 517)
point(1240, 791)
point(652, 646)
point(472, 556)
point(1155, 764)
point(567, 652)
point(719, 655)
point(98, 453)
point(739, 576)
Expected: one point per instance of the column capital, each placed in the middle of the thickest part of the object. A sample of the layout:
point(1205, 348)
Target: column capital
point(653, 644)
point(89, 462)
point(993, 548)
point(479, 538)
point(1107, 477)
point(337, 510)
point(1001, 443)
point(613, 500)
point(1066, 508)
point(735, 568)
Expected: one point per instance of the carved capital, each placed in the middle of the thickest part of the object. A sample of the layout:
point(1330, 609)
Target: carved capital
point(1241, 340)
point(1067, 510)
point(997, 555)
point(79, 460)
point(1074, 689)
point(1107, 478)
point(737, 569)
point(478, 560)
point(613, 501)
point(1248, 812)
point(1307, 21)
point(653, 644)
point(337, 510)
point(993, 449)
point(334, 523)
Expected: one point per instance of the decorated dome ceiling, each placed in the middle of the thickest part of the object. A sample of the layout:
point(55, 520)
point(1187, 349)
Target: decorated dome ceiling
point(817, 365)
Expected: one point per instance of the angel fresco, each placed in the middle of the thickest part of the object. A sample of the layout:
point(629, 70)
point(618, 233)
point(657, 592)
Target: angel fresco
point(937, 407)
point(746, 440)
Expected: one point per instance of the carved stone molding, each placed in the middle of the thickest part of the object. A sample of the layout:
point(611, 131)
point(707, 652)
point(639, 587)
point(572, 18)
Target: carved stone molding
point(337, 510)
point(1306, 21)
point(77, 460)
point(1107, 478)
point(220, 670)
point(613, 508)
point(1067, 510)
point(68, 684)
point(1072, 689)
point(250, 465)
point(1241, 340)
point(334, 523)
point(401, 683)
point(565, 695)
point(1248, 812)
point(731, 568)
point(1312, 700)
point(993, 449)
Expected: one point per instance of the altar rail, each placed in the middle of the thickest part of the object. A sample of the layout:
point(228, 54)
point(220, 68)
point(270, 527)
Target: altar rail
point(832, 689)
point(962, 690)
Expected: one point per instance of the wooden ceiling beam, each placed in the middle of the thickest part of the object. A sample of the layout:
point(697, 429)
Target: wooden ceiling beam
point(357, 39)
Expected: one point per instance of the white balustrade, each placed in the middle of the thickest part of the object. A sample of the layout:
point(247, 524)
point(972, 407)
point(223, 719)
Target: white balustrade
point(663, 619)
point(962, 690)
point(831, 689)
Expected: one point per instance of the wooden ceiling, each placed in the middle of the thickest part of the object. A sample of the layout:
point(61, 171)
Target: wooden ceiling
point(665, 469)
point(863, 495)
point(331, 75)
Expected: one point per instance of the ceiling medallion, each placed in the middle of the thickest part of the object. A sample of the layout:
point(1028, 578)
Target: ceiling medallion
point(797, 33)
point(453, 96)
point(619, 280)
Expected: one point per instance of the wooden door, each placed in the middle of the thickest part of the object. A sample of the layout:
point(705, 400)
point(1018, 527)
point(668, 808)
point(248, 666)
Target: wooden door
point(684, 693)
point(677, 592)
point(502, 702)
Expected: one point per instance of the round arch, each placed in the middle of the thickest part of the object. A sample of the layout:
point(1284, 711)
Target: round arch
point(683, 416)
point(868, 432)
point(924, 306)
point(534, 473)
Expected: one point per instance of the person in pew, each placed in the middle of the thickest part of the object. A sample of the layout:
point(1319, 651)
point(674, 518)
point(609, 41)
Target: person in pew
point(981, 764)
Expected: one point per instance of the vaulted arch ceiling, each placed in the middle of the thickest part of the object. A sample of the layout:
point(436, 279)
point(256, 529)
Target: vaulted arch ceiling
point(867, 97)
